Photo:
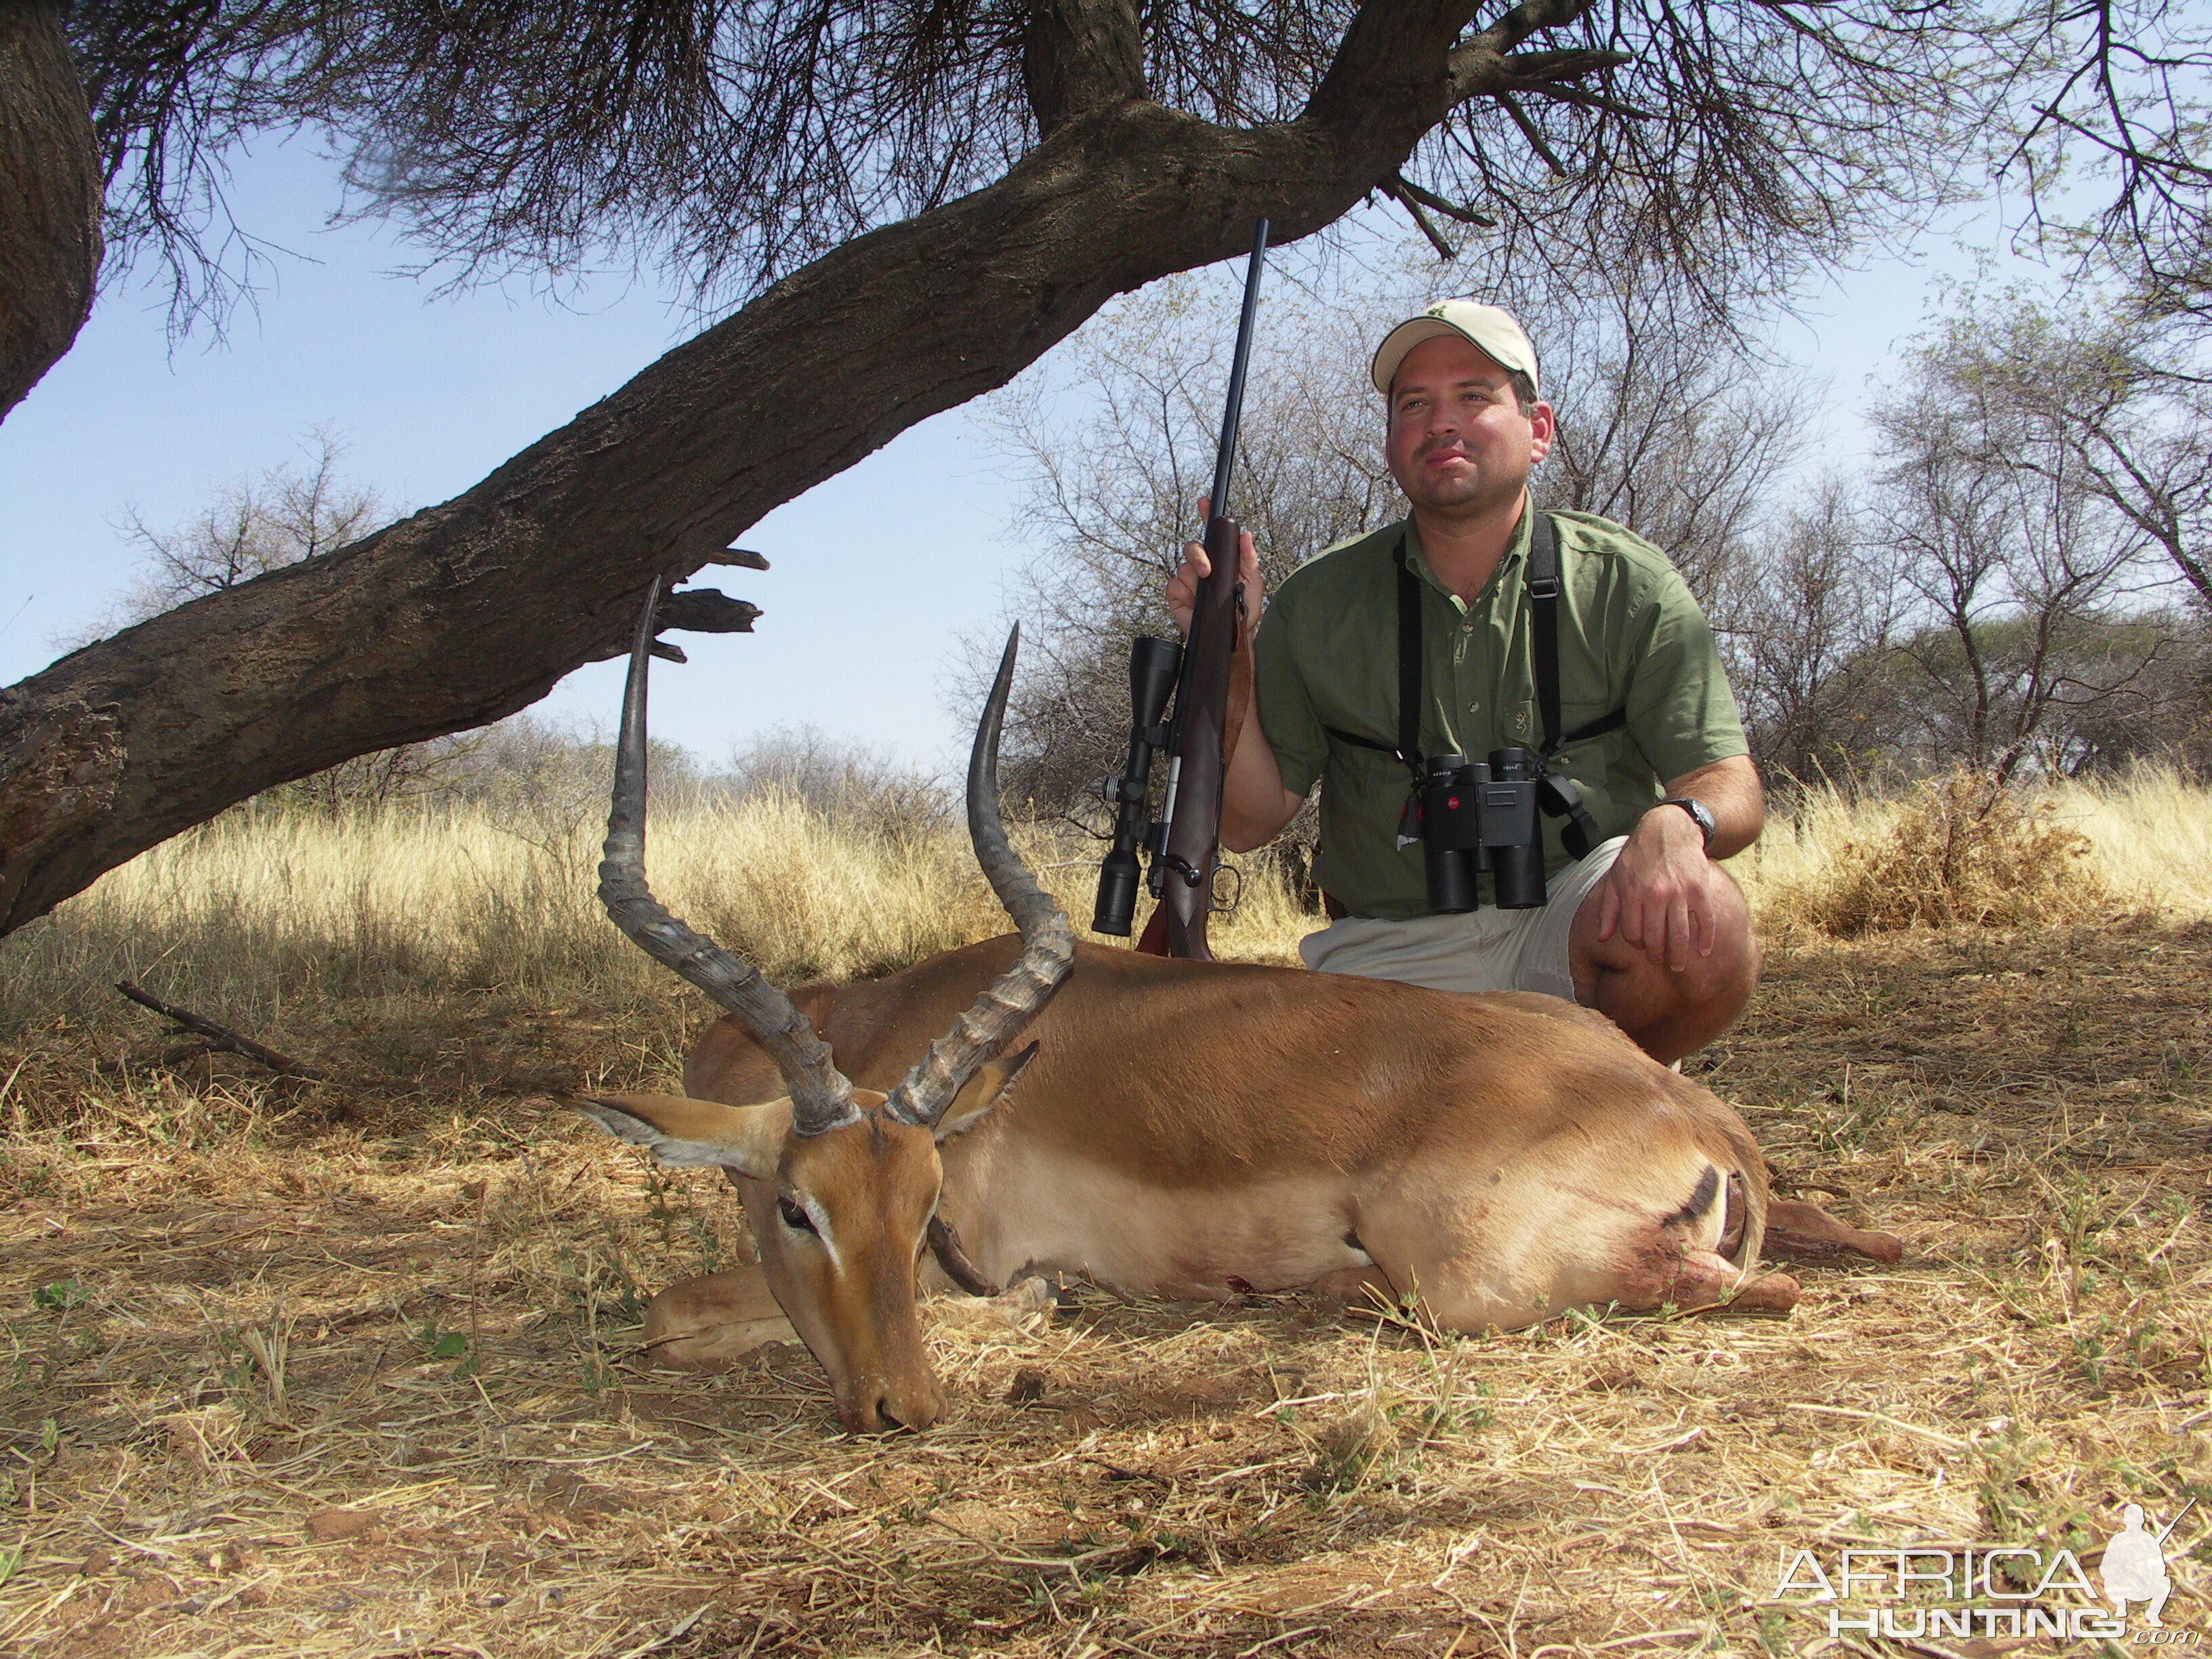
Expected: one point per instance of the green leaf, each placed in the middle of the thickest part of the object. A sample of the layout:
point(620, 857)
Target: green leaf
point(451, 1346)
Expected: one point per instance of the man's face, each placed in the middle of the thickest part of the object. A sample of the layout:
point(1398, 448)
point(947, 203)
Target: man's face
point(1458, 444)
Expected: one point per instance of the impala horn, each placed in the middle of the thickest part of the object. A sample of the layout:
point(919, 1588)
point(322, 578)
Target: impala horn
point(1048, 943)
point(821, 1098)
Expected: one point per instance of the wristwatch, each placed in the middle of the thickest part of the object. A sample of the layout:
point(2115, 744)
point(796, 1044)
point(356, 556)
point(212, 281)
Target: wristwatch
point(1699, 813)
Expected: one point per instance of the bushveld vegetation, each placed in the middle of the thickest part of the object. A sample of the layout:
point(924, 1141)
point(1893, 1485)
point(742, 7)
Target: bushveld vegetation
point(349, 1366)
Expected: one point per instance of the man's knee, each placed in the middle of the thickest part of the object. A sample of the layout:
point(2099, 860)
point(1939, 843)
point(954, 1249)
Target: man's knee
point(1732, 969)
point(1728, 972)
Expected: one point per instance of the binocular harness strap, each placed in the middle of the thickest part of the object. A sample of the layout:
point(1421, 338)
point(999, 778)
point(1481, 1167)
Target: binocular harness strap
point(1558, 796)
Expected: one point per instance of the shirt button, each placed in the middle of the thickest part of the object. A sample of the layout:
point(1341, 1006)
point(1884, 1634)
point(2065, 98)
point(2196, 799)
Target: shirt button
point(1474, 709)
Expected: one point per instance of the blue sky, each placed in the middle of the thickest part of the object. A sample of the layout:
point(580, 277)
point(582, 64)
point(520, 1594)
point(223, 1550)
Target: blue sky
point(875, 575)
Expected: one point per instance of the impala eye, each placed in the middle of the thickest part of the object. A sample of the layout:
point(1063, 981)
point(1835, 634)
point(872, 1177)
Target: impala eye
point(794, 1218)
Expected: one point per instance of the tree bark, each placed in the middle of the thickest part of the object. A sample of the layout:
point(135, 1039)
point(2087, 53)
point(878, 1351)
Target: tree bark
point(50, 197)
point(473, 609)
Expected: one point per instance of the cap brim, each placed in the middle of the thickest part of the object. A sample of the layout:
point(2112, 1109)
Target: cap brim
point(1403, 339)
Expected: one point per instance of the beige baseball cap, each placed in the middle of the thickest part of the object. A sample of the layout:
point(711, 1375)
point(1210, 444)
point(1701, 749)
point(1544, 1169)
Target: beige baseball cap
point(1489, 329)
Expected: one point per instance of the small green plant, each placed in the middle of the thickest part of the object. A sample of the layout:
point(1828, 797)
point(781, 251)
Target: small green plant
point(438, 1345)
point(60, 1296)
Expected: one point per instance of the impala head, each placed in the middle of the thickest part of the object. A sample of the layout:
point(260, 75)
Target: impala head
point(839, 1183)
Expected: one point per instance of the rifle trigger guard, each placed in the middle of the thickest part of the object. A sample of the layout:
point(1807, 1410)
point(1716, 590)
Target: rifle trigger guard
point(1235, 879)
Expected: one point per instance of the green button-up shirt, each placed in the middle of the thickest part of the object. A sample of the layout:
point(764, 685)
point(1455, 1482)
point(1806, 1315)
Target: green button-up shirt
point(1631, 637)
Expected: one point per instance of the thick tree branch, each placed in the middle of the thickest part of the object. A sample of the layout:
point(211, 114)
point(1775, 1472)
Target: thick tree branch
point(1479, 64)
point(310, 666)
point(50, 191)
point(1079, 56)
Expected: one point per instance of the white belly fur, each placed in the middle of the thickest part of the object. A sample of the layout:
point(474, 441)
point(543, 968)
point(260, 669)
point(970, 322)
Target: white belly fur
point(1016, 1211)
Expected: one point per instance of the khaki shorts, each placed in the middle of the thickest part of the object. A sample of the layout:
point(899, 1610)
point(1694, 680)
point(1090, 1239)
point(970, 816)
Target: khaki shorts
point(1485, 949)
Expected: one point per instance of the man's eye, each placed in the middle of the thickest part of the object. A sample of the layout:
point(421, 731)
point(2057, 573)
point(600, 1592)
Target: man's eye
point(794, 1218)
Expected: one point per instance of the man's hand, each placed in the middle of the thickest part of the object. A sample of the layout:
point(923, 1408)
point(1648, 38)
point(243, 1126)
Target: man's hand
point(1255, 805)
point(1182, 586)
point(1661, 892)
point(1664, 891)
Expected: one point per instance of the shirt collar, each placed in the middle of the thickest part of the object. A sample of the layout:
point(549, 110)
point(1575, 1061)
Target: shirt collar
point(1517, 553)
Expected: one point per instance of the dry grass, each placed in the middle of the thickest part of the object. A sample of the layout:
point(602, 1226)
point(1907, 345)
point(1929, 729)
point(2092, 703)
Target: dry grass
point(327, 1370)
point(1954, 853)
point(274, 917)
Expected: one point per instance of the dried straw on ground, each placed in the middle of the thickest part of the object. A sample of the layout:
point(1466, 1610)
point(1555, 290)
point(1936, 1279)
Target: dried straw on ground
point(323, 1370)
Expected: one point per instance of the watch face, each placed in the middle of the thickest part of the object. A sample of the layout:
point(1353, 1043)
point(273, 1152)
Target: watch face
point(1700, 814)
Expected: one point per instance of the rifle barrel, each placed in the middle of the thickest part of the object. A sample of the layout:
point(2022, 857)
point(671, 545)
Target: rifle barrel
point(2176, 1521)
point(1225, 459)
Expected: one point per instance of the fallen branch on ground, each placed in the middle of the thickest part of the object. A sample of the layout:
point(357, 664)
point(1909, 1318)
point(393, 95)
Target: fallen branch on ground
point(222, 1037)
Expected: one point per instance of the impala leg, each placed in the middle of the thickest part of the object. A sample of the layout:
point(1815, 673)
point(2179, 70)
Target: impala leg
point(1699, 1280)
point(1361, 1287)
point(707, 1324)
point(1568, 1224)
point(1797, 1231)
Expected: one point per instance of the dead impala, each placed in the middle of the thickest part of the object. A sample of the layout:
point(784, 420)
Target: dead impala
point(1180, 1129)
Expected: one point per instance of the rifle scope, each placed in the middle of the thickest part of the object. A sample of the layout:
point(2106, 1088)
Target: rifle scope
point(1152, 667)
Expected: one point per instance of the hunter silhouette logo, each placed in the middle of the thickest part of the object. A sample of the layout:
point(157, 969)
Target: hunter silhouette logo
point(2134, 1568)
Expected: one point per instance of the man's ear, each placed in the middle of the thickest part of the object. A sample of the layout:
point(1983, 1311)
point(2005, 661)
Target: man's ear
point(1544, 431)
point(981, 1092)
point(676, 1129)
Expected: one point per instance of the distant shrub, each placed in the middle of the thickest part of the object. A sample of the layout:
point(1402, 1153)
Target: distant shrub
point(1959, 852)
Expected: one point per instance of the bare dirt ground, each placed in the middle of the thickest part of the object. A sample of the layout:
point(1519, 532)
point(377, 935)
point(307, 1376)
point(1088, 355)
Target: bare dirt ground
point(325, 1371)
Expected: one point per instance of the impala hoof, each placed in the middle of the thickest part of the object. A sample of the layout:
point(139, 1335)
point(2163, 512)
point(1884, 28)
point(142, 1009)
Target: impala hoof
point(1017, 1306)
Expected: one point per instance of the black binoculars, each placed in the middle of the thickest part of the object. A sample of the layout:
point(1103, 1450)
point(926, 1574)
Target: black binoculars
point(1474, 819)
point(1152, 667)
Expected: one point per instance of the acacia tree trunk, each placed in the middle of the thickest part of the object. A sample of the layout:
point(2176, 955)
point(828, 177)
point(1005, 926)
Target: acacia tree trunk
point(473, 609)
point(50, 195)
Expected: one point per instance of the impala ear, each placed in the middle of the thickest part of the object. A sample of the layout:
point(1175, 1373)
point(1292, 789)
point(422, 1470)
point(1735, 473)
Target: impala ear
point(981, 1092)
point(676, 1129)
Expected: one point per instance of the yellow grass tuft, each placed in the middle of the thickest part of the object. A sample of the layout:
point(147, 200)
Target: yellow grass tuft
point(1953, 852)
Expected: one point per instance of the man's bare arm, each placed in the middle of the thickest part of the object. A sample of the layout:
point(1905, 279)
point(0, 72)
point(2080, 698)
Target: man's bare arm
point(1731, 789)
point(1255, 805)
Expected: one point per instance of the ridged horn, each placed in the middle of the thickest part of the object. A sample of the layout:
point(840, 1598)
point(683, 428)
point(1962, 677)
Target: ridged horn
point(821, 1098)
point(1048, 943)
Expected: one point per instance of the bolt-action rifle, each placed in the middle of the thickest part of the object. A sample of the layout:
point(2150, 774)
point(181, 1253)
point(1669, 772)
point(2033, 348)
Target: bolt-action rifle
point(1198, 735)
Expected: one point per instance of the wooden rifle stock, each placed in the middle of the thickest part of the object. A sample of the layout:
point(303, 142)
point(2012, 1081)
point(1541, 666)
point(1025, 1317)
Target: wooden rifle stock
point(1215, 688)
point(1199, 761)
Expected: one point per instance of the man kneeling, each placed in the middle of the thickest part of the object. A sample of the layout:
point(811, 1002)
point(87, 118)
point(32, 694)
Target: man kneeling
point(1479, 624)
